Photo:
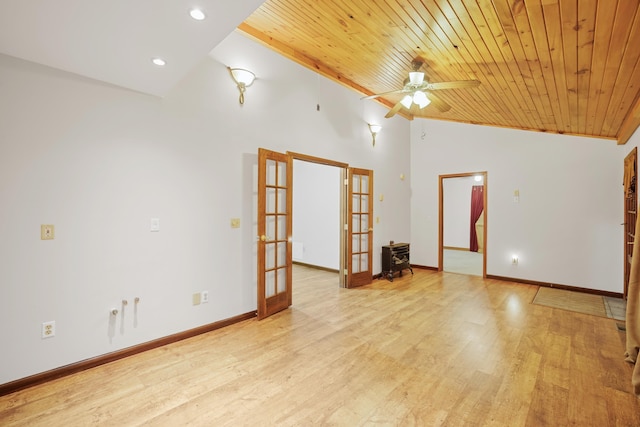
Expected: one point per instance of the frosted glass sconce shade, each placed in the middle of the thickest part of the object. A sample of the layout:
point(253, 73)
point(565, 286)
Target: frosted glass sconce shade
point(243, 79)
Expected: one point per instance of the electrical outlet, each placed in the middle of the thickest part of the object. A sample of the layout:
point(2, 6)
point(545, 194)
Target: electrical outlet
point(196, 298)
point(49, 329)
point(204, 297)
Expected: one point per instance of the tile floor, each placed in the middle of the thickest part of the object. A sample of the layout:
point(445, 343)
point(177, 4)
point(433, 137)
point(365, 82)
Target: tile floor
point(616, 307)
point(463, 262)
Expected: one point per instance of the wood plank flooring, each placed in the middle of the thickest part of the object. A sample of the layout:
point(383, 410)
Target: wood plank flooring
point(424, 350)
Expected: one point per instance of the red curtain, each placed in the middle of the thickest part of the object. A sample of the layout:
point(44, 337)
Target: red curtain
point(477, 206)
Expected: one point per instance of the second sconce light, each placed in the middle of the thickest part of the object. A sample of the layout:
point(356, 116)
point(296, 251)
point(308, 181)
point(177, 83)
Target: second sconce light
point(243, 78)
point(374, 129)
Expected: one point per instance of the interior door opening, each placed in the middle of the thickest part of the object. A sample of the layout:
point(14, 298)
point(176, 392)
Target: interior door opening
point(317, 215)
point(275, 228)
point(462, 227)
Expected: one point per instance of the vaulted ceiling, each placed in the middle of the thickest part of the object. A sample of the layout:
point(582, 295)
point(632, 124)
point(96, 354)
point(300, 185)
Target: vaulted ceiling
point(561, 66)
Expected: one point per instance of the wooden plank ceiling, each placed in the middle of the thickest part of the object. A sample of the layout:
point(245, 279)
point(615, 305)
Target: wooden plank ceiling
point(561, 66)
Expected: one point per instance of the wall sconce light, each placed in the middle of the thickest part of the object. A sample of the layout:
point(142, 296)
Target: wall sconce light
point(243, 78)
point(514, 259)
point(374, 129)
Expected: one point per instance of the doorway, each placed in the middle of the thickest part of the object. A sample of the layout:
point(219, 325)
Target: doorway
point(463, 223)
point(275, 234)
point(316, 215)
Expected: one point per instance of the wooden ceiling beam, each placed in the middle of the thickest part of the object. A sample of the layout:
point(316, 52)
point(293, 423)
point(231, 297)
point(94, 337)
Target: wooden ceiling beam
point(630, 124)
point(312, 64)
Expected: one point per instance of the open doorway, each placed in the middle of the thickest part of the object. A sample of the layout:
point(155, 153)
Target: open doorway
point(274, 244)
point(463, 218)
point(319, 239)
point(317, 215)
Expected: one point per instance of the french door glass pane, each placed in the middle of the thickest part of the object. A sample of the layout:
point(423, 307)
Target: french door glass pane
point(271, 172)
point(365, 184)
point(271, 200)
point(355, 242)
point(364, 203)
point(355, 223)
point(282, 280)
point(270, 255)
point(270, 224)
point(282, 200)
point(355, 263)
point(364, 242)
point(282, 174)
point(364, 263)
point(356, 183)
point(355, 203)
point(282, 254)
point(364, 222)
point(282, 227)
point(270, 283)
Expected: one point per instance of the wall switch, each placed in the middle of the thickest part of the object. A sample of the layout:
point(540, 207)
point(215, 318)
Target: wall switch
point(155, 224)
point(235, 222)
point(49, 329)
point(47, 232)
point(204, 297)
point(196, 298)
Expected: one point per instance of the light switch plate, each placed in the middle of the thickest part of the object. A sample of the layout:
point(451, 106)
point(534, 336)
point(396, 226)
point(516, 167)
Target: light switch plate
point(47, 232)
point(155, 224)
point(235, 222)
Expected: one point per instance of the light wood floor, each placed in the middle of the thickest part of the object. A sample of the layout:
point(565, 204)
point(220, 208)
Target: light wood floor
point(423, 350)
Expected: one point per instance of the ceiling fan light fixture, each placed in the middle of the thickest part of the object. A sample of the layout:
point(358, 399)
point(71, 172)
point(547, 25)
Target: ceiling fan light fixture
point(416, 78)
point(406, 101)
point(421, 99)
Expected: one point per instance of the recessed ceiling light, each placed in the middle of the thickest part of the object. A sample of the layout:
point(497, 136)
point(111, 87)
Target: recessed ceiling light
point(197, 14)
point(159, 62)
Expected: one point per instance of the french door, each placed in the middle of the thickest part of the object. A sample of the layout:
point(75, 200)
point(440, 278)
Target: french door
point(359, 227)
point(630, 212)
point(274, 232)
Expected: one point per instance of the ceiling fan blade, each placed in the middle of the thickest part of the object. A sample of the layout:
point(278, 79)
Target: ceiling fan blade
point(454, 85)
point(393, 111)
point(384, 94)
point(437, 102)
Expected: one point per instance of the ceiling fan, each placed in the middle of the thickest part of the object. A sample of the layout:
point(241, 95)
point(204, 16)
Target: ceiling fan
point(420, 92)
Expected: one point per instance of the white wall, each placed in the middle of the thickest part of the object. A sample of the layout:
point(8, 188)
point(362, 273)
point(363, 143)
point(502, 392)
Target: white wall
point(566, 227)
point(98, 162)
point(457, 211)
point(316, 214)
